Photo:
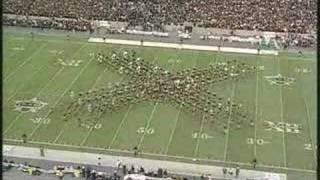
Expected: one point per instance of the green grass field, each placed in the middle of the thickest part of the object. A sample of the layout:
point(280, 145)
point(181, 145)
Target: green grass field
point(160, 130)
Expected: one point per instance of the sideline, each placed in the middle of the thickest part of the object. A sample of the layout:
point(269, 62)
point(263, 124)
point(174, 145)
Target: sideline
point(152, 155)
point(184, 46)
point(108, 160)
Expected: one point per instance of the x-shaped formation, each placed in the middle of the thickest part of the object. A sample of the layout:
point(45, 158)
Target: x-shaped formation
point(189, 89)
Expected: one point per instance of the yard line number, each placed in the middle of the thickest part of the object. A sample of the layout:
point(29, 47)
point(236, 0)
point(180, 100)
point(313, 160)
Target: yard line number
point(308, 147)
point(41, 120)
point(88, 126)
point(260, 142)
point(197, 135)
point(143, 130)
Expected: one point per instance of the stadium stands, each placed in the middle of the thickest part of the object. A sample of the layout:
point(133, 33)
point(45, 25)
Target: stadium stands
point(296, 16)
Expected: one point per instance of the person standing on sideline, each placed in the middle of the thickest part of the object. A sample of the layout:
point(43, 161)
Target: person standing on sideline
point(135, 151)
point(237, 171)
point(224, 171)
point(32, 35)
point(119, 164)
point(99, 160)
point(41, 151)
point(254, 162)
point(24, 138)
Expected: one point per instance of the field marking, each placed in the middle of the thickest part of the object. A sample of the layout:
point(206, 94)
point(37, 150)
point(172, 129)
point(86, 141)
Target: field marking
point(196, 150)
point(309, 127)
point(11, 124)
point(22, 85)
point(225, 53)
point(281, 117)
point(60, 133)
point(148, 123)
point(176, 122)
point(121, 123)
point(228, 130)
point(160, 155)
point(173, 131)
point(28, 93)
point(49, 82)
point(7, 48)
point(68, 88)
point(256, 113)
point(91, 129)
point(119, 127)
point(25, 61)
point(58, 73)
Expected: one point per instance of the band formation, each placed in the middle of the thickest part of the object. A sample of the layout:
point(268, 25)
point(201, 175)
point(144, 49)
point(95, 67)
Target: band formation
point(189, 89)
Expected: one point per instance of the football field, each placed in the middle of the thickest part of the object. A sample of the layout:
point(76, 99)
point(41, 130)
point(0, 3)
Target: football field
point(283, 135)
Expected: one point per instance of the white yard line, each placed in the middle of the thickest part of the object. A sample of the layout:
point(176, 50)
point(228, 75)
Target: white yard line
point(309, 126)
point(91, 129)
point(12, 54)
point(172, 132)
point(148, 123)
point(45, 85)
point(281, 117)
point(256, 114)
point(283, 136)
point(196, 151)
point(161, 155)
point(68, 88)
point(24, 82)
point(228, 130)
point(24, 62)
point(49, 82)
point(11, 124)
point(119, 127)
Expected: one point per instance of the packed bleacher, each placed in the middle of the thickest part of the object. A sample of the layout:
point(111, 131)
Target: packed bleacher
point(297, 16)
point(61, 24)
point(294, 17)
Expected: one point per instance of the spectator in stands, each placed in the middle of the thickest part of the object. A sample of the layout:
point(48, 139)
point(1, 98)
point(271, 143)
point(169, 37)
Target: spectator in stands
point(124, 169)
point(88, 170)
point(283, 15)
point(165, 173)
point(132, 169)
point(287, 16)
point(83, 171)
point(119, 164)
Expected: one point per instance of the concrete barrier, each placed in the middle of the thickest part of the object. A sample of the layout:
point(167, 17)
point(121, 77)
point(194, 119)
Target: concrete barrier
point(184, 46)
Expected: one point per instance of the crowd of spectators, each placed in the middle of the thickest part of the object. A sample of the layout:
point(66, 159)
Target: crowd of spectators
point(297, 16)
point(86, 172)
point(60, 24)
point(296, 40)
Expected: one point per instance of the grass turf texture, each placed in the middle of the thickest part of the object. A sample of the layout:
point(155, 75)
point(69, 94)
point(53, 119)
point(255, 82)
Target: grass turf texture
point(169, 131)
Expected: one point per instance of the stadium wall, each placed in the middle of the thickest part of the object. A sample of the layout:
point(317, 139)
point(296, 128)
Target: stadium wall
point(183, 46)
